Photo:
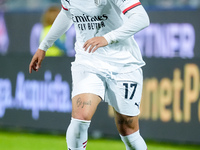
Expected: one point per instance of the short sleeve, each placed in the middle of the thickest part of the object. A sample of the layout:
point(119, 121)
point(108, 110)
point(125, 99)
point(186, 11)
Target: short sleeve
point(126, 5)
point(65, 4)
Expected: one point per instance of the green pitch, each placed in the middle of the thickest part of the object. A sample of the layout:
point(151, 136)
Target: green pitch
point(28, 141)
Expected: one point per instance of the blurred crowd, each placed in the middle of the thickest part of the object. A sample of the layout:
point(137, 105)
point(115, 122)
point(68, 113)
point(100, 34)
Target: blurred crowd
point(172, 4)
point(27, 5)
point(38, 5)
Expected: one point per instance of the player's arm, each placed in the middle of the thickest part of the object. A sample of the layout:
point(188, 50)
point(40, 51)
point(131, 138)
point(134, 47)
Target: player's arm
point(59, 27)
point(61, 24)
point(137, 19)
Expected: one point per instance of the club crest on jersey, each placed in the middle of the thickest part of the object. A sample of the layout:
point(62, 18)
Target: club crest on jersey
point(68, 1)
point(100, 2)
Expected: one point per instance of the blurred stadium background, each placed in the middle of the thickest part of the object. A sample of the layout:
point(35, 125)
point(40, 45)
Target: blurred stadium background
point(40, 103)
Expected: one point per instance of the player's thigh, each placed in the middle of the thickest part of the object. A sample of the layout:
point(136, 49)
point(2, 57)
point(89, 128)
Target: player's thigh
point(88, 90)
point(126, 125)
point(84, 105)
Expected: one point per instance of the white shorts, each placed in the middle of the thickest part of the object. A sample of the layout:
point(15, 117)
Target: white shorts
point(122, 91)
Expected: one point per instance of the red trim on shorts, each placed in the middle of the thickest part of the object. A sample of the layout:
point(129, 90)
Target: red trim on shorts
point(64, 8)
point(131, 7)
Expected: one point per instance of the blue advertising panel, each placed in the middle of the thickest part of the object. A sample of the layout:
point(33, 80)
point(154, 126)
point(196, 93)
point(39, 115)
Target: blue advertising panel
point(171, 34)
point(170, 108)
point(4, 42)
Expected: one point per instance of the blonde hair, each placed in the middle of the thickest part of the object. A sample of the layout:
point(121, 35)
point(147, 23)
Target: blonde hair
point(50, 15)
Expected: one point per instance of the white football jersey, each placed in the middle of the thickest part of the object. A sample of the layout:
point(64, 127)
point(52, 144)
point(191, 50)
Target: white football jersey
point(93, 18)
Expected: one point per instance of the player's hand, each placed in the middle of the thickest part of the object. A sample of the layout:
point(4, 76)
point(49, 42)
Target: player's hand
point(36, 60)
point(94, 43)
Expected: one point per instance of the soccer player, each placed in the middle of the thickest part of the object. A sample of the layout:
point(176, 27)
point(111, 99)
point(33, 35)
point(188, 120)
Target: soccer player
point(107, 65)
